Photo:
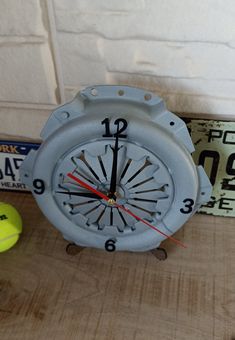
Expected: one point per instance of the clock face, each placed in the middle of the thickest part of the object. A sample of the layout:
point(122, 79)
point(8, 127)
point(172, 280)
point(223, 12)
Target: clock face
point(143, 185)
point(116, 176)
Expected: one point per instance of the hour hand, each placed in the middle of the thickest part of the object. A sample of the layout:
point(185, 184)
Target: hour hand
point(113, 181)
point(82, 194)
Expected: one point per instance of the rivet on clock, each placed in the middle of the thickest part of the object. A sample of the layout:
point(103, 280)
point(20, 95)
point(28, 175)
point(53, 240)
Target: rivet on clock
point(94, 92)
point(65, 115)
point(111, 201)
point(147, 96)
point(120, 92)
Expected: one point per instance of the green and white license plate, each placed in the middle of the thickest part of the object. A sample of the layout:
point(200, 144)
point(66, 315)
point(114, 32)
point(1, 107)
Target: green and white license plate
point(215, 149)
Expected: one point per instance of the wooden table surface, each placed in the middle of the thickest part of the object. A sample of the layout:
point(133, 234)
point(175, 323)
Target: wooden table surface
point(47, 294)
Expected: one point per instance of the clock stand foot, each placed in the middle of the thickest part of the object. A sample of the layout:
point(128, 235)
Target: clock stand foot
point(73, 249)
point(160, 254)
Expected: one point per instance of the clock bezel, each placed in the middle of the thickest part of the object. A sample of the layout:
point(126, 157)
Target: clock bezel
point(171, 152)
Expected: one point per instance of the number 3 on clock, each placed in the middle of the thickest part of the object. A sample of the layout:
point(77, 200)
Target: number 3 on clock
point(188, 206)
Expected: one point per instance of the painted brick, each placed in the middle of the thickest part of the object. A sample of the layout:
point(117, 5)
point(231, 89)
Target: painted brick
point(21, 18)
point(194, 60)
point(92, 7)
point(206, 106)
point(173, 85)
point(81, 59)
point(185, 20)
point(174, 67)
point(27, 74)
point(183, 51)
point(197, 96)
point(22, 122)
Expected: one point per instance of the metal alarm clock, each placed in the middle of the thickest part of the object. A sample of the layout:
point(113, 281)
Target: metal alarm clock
point(114, 170)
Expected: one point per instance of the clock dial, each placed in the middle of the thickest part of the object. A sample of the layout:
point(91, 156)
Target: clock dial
point(136, 157)
point(114, 204)
point(142, 184)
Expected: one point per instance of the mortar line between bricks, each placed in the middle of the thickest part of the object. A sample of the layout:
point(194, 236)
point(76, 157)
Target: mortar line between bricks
point(55, 49)
point(147, 38)
point(27, 106)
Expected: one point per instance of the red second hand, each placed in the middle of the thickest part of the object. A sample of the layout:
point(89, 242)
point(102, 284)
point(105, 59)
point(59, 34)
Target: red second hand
point(87, 186)
point(106, 198)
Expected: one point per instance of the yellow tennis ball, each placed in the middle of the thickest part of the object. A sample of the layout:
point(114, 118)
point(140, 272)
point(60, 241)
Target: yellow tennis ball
point(10, 226)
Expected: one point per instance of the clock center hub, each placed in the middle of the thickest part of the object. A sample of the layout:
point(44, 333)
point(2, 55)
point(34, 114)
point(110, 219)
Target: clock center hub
point(119, 197)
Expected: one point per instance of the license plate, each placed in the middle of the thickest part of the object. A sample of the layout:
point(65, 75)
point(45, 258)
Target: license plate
point(215, 150)
point(12, 155)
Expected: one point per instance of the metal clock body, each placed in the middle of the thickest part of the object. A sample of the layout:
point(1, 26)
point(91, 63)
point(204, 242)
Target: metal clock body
point(123, 143)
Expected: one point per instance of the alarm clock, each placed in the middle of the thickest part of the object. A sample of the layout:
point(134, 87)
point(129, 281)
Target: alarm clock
point(114, 170)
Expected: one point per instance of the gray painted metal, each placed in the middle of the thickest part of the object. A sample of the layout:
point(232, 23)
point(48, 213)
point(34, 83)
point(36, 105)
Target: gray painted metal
point(160, 172)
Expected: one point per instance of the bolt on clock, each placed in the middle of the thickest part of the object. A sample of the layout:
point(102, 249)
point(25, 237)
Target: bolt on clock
point(115, 170)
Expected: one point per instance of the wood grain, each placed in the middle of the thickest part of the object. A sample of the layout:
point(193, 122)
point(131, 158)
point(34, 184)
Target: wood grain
point(47, 294)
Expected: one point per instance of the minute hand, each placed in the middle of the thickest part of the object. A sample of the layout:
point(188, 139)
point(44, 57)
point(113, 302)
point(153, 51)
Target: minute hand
point(82, 194)
point(113, 182)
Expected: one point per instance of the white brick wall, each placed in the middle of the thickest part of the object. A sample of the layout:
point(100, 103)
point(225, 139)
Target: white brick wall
point(21, 18)
point(26, 64)
point(49, 49)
